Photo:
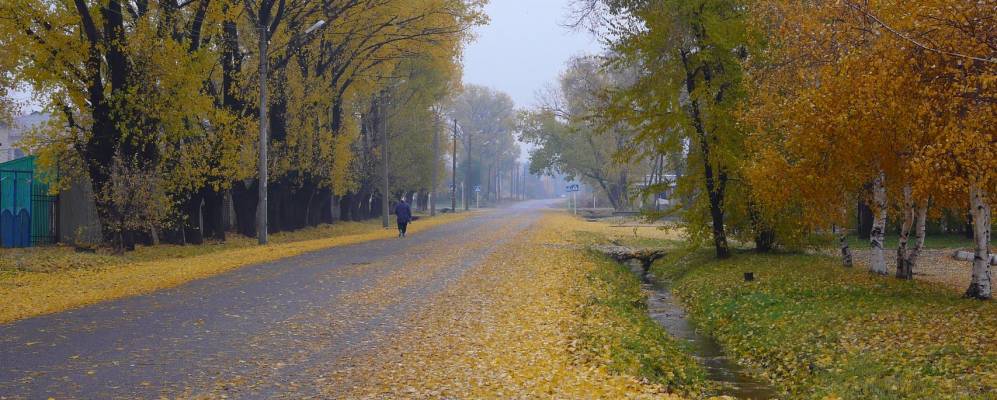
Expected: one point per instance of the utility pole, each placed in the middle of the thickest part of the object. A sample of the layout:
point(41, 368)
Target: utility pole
point(384, 157)
point(436, 167)
point(453, 183)
point(261, 206)
point(262, 23)
point(513, 176)
point(526, 179)
point(467, 179)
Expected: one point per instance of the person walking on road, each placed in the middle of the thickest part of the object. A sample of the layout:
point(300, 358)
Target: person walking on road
point(404, 214)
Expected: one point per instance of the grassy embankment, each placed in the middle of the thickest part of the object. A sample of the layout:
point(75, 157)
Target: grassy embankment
point(618, 330)
point(45, 280)
point(818, 330)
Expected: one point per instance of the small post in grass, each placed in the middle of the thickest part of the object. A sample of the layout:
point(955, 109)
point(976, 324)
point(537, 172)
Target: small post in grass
point(749, 276)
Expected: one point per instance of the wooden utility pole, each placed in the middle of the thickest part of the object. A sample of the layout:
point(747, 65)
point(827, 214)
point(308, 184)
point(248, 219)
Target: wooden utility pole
point(384, 156)
point(467, 179)
point(453, 183)
point(436, 167)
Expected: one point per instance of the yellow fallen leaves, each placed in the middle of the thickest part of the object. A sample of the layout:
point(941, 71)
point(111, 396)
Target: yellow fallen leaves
point(502, 331)
point(821, 331)
point(28, 294)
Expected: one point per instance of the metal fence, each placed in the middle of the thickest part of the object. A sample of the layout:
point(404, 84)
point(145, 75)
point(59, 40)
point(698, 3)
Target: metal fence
point(28, 214)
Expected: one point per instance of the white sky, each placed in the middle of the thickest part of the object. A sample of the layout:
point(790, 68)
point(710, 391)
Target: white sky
point(524, 48)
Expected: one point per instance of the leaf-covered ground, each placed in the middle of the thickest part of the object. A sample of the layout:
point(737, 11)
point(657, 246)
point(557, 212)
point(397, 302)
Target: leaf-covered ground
point(821, 331)
point(44, 280)
point(539, 319)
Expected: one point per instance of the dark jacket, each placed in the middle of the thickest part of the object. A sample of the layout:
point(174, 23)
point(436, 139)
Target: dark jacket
point(404, 212)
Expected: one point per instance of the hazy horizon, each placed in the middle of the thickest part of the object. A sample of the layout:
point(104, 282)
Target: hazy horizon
point(524, 47)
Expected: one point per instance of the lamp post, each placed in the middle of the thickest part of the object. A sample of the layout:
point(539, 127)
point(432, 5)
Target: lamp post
point(262, 170)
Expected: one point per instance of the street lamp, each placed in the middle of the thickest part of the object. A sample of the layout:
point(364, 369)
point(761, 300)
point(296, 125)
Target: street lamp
point(315, 27)
point(262, 170)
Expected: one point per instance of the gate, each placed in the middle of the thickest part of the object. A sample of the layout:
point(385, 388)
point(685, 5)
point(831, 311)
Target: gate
point(44, 215)
point(28, 214)
point(15, 208)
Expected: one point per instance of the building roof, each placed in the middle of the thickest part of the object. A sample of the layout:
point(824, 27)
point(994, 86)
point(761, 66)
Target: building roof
point(12, 133)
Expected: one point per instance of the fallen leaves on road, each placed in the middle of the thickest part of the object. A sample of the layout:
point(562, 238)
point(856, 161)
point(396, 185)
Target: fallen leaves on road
point(504, 330)
point(30, 294)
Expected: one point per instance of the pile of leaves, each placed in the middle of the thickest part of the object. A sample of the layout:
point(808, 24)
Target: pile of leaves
point(818, 330)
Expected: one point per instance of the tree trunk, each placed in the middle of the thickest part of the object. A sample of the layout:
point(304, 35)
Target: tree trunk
point(847, 259)
point(244, 202)
point(876, 237)
point(920, 229)
point(915, 216)
point(981, 286)
point(905, 271)
point(214, 210)
point(865, 219)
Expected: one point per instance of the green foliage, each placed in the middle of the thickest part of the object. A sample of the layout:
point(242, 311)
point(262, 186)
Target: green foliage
point(820, 331)
point(684, 101)
point(487, 121)
point(568, 142)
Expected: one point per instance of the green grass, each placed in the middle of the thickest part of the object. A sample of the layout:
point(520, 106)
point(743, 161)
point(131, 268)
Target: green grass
point(940, 241)
point(627, 340)
point(821, 331)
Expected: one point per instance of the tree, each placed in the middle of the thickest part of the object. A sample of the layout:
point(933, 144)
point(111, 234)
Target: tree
point(169, 86)
point(892, 93)
point(688, 56)
point(487, 120)
point(117, 77)
point(568, 139)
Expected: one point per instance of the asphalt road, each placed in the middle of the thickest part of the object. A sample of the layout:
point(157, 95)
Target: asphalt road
point(263, 331)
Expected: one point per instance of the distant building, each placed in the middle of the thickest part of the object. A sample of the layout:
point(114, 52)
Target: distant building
point(11, 134)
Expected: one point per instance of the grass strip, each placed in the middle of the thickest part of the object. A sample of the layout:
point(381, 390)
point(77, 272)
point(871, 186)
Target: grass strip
point(820, 331)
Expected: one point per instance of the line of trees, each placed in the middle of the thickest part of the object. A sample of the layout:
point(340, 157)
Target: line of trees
point(788, 113)
point(488, 153)
point(569, 138)
point(155, 104)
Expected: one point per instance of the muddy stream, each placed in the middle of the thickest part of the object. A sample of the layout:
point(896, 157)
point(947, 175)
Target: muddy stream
point(663, 308)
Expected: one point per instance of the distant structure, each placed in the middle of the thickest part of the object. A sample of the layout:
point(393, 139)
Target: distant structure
point(11, 134)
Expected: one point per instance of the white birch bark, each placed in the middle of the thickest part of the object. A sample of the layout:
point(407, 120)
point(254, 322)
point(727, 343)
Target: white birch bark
point(981, 286)
point(876, 238)
point(920, 227)
point(847, 259)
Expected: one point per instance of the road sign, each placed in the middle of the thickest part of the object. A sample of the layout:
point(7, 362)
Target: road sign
point(477, 189)
point(572, 188)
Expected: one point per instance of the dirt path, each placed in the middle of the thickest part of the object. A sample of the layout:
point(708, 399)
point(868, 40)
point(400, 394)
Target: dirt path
point(261, 331)
point(934, 265)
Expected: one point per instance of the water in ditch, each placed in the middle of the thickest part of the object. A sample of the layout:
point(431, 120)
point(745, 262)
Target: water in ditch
point(665, 310)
